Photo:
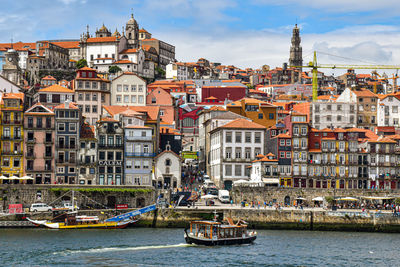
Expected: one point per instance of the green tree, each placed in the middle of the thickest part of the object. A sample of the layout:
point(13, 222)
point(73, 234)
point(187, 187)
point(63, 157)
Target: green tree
point(81, 63)
point(160, 72)
point(114, 69)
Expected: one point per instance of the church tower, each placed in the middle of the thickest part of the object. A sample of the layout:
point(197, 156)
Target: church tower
point(296, 53)
point(132, 33)
point(11, 69)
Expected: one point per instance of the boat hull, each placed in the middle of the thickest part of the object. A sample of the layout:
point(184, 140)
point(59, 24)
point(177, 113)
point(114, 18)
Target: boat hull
point(219, 242)
point(102, 225)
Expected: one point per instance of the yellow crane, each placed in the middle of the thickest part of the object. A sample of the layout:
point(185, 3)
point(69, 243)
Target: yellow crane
point(314, 66)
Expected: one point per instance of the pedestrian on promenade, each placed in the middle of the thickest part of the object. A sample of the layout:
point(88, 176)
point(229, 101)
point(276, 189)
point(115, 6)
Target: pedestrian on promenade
point(258, 205)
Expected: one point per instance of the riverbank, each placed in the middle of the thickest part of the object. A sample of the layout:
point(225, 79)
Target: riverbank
point(268, 219)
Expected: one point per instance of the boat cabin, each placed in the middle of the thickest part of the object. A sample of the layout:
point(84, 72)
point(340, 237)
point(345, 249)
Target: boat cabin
point(216, 230)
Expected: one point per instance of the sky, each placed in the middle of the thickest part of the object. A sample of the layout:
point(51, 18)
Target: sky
point(245, 33)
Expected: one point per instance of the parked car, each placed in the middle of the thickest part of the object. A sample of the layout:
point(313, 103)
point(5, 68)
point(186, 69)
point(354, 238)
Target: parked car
point(40, 207)
point(223, 196)
point(68, 205)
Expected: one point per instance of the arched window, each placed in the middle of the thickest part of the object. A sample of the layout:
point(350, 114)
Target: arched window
point(130, 36)
point(167, 162)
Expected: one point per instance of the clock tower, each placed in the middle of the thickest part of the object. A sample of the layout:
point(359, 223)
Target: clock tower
point(11, 69)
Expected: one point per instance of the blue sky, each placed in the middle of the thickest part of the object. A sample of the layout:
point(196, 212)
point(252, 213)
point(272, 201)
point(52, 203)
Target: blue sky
point(244, 33)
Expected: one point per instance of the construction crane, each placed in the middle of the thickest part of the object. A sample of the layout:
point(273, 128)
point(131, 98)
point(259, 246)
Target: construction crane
point(314, 66)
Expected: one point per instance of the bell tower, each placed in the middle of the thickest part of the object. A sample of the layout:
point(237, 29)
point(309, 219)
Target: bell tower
point(11, 69)
point(296, 52)
point(132, 33)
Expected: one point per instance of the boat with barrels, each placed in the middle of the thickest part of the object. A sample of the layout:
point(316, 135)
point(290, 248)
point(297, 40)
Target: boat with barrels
point(213, 233)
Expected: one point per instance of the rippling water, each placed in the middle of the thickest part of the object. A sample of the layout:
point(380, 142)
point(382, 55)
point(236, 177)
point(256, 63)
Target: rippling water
point(166, 247)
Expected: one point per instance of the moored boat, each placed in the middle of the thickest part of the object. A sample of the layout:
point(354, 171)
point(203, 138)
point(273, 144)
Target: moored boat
point(212, 233)
point(74, 221)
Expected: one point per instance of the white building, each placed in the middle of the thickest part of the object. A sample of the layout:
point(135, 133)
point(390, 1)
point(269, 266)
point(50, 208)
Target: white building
point(233, 147)
point(176, 71)
point(264, 170)
point(139, 154)
point(388, 110)
point(336, 114)
point(128, 89)
point(167, 170)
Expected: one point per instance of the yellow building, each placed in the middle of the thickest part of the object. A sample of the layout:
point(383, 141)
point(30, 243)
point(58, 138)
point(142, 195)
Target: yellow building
point(11, 127)
point(258, 111)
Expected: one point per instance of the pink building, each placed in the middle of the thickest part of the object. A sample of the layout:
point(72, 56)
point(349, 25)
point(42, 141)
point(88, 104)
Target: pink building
point(39, 144)
point(160, 97)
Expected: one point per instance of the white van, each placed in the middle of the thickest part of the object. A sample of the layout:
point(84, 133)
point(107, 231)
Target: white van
point(40, 207)
point(223, 196)
point(209, 184)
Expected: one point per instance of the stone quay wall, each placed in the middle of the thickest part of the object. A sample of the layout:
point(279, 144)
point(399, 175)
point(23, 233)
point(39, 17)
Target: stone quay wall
point(278, 219)
point(282, 195)
point(85, 196)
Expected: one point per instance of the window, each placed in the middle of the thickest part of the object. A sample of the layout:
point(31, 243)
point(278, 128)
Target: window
point(140, 88)
point(87, 108)
point(238, 170)
point(72, 127)
point(94, 108)
point(119, 88)
point(137, 164)
point(238, 152)
point(303, 130)
point(329, 107)
point(228, 137)
point(373, 108)
point(102, 155)
point(238, 137)
point(248, 137)
point(260, 116)
point(288, 155)
point(339, 117)
point(129, 164)
point(94, 85)
point(145, 164)
point(296, 130)
point(140, 99)
point(167, 162)
point(133, 87)
point(288, 142)
point(339, 107)
point(126, 88)
point(153, 100)
point(329, 118)
point(228, 170)
point(281, 155)
point(60, 126)
point(94, 97)
point(80, 97)
point(271, 116)
point(110, 155)
point(133, 99)
point(282, 142)
point(257, 137)
point(247, 152)
point(126, 98)
point(395, 109)
point(228, 152)
point(118, 98)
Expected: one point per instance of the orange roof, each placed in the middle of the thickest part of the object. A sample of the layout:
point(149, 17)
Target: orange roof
point(137, 127)
point(283, 135)
point(56, 88)
point(87, 68)
point(20, 96)
point(327, 97)
point(242, 124)
point(364, 93)
point(249, 101)
point(123, 62)
point(108, 119)
point(19, 46)
point(260, 156)
point(129, 51)
point(102, 39)
point(142, 30)
point(151, 39)
point(217, 108)
point(49, 77)
point(152, 111)
point(67, 44)
point(314, 150)
point(70, 106)
point(211, 98)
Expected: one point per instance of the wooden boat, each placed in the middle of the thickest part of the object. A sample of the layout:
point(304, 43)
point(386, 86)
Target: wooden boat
point(74, 221)
point(82, 222)
point(212, 233)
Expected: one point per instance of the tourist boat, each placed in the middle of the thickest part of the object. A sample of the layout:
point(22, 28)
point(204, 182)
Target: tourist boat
point(74, 221)
point(213, 233)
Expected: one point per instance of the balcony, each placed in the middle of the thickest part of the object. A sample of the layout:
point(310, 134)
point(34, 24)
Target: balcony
point(138, 138)
point(66, 146)
point(30, 155)
point(134, 154)
point(31, 141)
point(11, 122)
point(48, 141)
point(120, 146)
point(62, 161)
point(39, 169)
point(11, 153)
point(47, 155)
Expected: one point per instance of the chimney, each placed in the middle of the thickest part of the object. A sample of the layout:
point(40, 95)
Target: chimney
point(66, 103)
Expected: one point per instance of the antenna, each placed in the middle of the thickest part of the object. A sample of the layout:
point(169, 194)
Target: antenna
point(11, 42)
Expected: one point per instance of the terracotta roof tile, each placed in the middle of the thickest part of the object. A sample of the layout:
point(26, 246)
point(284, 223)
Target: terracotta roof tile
point(242, 124)
point(102, 39)
point(56, 88)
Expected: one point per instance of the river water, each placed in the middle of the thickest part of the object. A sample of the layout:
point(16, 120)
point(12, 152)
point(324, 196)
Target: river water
point(166, 247)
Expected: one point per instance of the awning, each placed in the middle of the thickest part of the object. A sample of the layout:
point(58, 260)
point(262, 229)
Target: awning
point(25, 178)
point(347, 199)
point(208, 196)
point(318, 199)
point(378, 197)
point(300, 198)
point(270, 180)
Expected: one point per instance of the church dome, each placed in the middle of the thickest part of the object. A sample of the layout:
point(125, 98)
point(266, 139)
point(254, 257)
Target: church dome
point(103, 29)
point(116, 33)
point(131, 21)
